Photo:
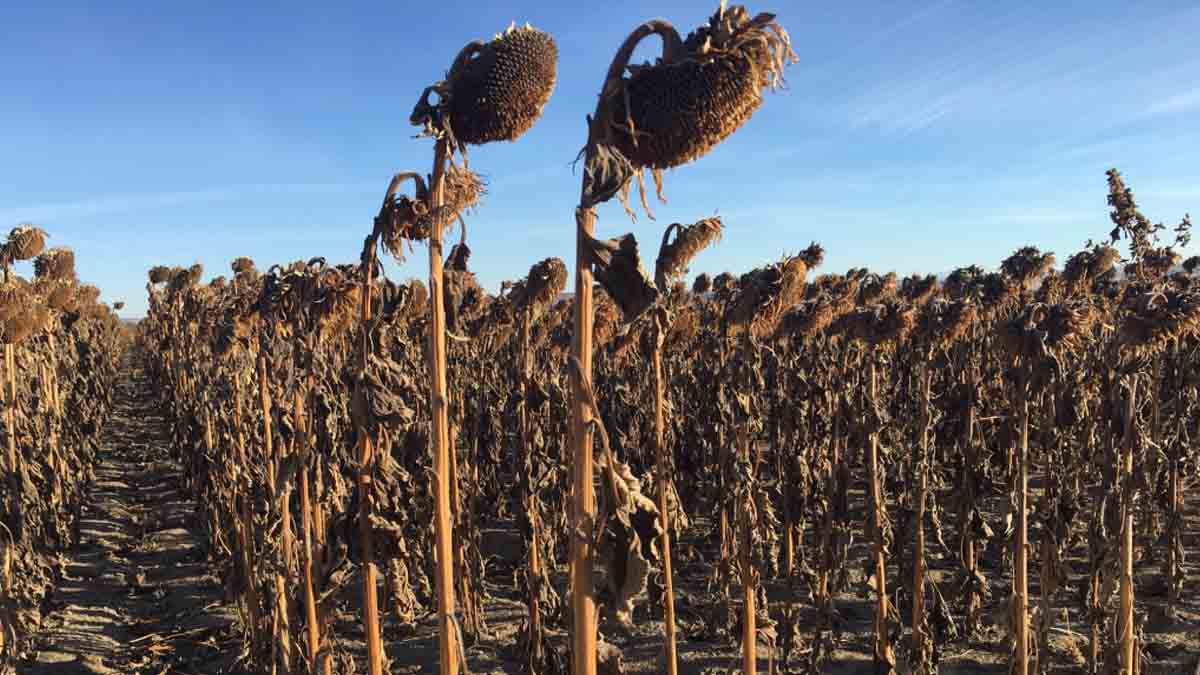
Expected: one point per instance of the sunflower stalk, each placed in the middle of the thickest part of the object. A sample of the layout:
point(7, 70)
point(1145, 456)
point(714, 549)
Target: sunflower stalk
point(366, 454)
point(440, 419)
point(282, 645)
point(535, 637)
point(922, 641)
point(663, 470)
point(884, 656)
point(1126, 630)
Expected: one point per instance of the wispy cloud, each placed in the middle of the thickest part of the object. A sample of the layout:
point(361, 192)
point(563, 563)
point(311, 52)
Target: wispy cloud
point(912, 18)
point(934, 86)
point(1173, 191)
point(845, 68)
point(1177, 103)
point(110, 204)
point(141, 203)
point(1035, 215)
point(1008, 66)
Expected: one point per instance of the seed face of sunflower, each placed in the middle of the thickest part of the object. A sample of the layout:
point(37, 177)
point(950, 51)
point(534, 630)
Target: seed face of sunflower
point(500, 93)
point(681, 111)
point(675, 111)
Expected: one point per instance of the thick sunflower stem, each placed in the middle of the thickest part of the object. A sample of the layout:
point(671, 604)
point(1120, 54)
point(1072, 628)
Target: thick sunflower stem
point(283, 637)
point(1021, 545)
point(534, 573)
point(10, 365)
point(1125, 622)
point(921, 655)
point(583, 507)
point(968, 475)
point(749, 582)
point(246, 528)
point(366, 460)
point(306, 523)
point(883, 655)
point(440, 422)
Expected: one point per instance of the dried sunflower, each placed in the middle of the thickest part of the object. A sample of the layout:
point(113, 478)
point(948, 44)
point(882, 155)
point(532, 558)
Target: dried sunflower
point(24, 242)
point(674, 256)
point(494, 91)
point(672, 112)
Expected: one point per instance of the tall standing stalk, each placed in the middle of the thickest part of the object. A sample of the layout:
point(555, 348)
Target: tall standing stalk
point(14, 467)
point(664, 486)
point(583, 507)
point(884, 657)
point(920, 654)
point(829, 553)
point(789, 487)
point(366, 460)
point(11, 466)
point(527, 443)
point(493, 91)
point(673, 257)
point(10, 366)
point(363, 426)
point(746, 559)
point(1174, 572)
point(1021, 554)
point(319, 553)
point(283, 638)
point(968, 482)
point(613, 154)
point(310, 600)
point(1125, 622)
point(246, 530)
point(440, 422)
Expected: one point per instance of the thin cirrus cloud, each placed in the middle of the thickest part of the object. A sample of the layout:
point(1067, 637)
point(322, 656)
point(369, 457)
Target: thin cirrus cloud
point(980, 80)
point(1175, 104)
point(109, 205)
point(1017, 65)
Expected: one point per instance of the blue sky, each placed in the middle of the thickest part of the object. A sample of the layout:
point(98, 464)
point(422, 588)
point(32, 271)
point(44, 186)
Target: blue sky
point(914, 137)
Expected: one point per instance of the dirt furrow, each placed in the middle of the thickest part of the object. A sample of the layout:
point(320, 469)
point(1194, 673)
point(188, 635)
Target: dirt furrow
point(135, 594)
